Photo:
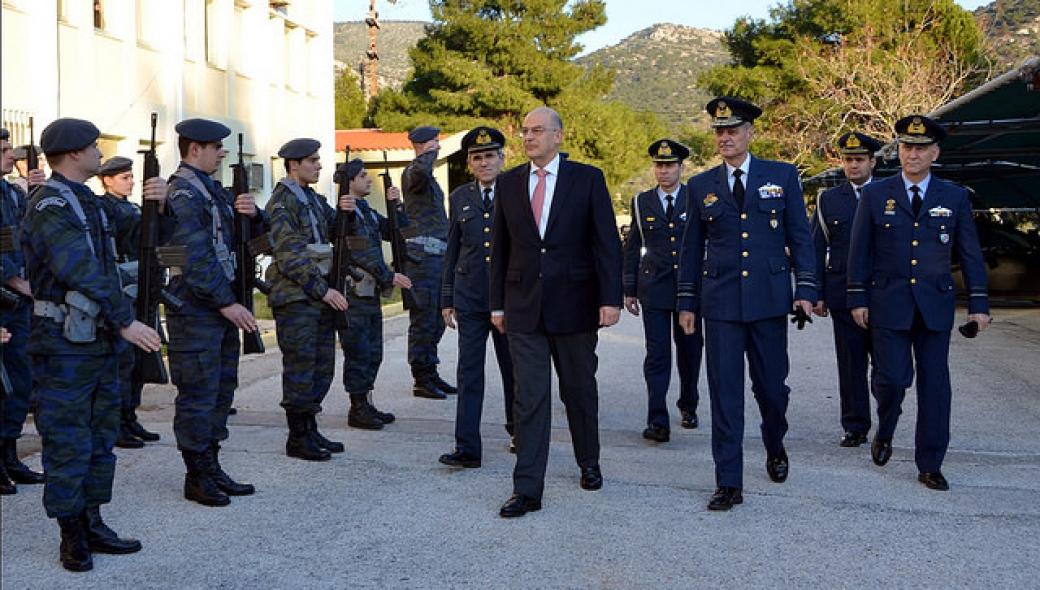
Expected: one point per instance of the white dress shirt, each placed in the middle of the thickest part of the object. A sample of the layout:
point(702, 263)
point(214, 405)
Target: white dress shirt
point(857, 189)
point(552, 170)
point(744, 168)
point(923, 185)
point(661, 195)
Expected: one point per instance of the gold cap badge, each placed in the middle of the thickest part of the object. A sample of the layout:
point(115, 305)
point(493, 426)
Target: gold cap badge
point(852, 141)
point(722, 111)
point(916, 127)
point(483, 138)
point(664, 150)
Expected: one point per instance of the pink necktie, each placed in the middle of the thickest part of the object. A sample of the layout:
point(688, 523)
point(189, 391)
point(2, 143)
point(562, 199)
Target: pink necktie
point(538, 199)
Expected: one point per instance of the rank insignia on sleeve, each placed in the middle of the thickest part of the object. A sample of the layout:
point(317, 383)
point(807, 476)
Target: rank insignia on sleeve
point(47, 202)
point(710, 200)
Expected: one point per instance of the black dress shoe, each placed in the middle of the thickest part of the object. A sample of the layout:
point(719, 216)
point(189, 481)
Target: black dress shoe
point(74, 552)
point(444, 386)
point(460, 459)
point(512, 444)
point(881, 450)
point(656, 433)
point(16, 470)
point(689, 419)
point(591, 478)
point(777, 467)
point(725, 498)
point(102, 539)
point(519, 505)
point(126, 440)
point(934, 481)
point(428, 390)
point(140, 432)
point(853, 439)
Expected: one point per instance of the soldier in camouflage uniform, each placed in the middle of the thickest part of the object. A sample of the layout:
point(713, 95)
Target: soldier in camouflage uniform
point(204, 341)
point(305, 306)
point(361, 336)
point(14, 315)
point(79, 313)
point(427, 242)
point(117, 178)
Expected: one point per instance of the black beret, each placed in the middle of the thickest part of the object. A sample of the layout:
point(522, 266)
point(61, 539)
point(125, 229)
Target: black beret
point(727, 111)
point(5, 135)
point(668, 150)
point(856, 143)
point(919, 129)
point(116, 165)
point(298, 149)
point(202, 130)
point(482, 139)
point(68, 135)
point(346, 171)
point(423, 134)
point(22, 152)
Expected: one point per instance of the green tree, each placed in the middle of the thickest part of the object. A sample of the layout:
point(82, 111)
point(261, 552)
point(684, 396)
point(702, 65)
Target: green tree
point(350, 102)
point(820, 68)
point(491, 61)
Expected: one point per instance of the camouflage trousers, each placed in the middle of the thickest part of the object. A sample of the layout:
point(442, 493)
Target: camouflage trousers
point(204, 367)
point(77, 415)
point(361, 338)
point(129, 391)
point(15, 407)
point(307, 338)
point(425, 324)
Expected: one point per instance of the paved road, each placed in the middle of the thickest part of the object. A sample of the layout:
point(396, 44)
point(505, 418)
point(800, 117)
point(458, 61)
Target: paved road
point(387, 515)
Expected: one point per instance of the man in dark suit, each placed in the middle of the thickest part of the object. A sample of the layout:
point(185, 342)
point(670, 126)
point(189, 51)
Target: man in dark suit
point(651, 265)
point(555, 280)
point(832, 230)
point(745, 215)
point(464, 292)
point(906, 232)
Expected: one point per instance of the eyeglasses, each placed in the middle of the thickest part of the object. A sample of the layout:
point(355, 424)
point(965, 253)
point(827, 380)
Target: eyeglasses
point(534, 131)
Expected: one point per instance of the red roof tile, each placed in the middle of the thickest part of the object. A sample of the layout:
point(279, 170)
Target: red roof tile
point(371, 139)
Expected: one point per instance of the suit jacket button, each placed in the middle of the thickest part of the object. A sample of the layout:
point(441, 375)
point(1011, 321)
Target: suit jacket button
point(487, 244)
point(745, 254)
point(743, 215)
point(487, 259)
point(675, 266)
point(744, 273)
point(744, 235)
point(913, 262)
point(914, 243)
point(917, 224)
point(543, 250)
point(487, 230)
point(913, 281)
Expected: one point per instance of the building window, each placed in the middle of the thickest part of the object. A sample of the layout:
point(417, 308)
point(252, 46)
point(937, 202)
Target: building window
point(99, 15)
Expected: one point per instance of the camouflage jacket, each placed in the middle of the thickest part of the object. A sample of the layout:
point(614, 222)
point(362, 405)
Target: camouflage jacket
point(295, 223)
point(424, 202)
point(126, 249)
point(12, 210)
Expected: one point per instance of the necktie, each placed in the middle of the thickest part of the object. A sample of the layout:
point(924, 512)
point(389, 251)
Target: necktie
point(487, 199)
point(538, 198)
point(738, 188)
point(859, 192)
point(915, 202)
point(669, 211)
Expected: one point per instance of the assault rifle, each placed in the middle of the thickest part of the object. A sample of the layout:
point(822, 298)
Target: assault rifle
point(245, 278)
point(398, 249)
point(343, 275)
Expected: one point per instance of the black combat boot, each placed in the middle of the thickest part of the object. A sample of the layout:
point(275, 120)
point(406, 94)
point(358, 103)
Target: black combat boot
point(18, 472)
point(386, 417)
point(222, 479)
point(138, 430)
point(331, 446)
point(427, 388)
point(102, 539)
point(300, 443)
point(444, 386)
point(75, 553)
point(198, 485)
point(126, 439)
point(362, 414)
point(7, 486)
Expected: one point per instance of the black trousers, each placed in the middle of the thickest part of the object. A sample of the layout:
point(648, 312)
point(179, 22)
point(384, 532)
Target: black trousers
point(574, 356)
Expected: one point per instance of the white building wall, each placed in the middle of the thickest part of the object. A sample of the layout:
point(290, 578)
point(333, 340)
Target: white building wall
point(261, 71)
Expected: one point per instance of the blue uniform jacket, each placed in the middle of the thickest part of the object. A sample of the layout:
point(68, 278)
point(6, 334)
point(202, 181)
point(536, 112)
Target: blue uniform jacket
point(836, 208)
point(733, 264)
point(898, 262)
point(12, 209)
point(652, 274)
point(464, 284)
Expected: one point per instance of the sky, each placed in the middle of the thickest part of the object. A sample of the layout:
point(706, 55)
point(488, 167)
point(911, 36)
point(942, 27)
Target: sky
point(624, 17)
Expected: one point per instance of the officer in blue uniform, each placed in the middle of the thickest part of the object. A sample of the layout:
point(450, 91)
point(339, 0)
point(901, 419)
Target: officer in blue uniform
point(204, 342)
point(79, 315)
point(651, 265)
point(907, 230)
point(15, 311)
point(427, 241)
point(832, 229)
point(464, 293)
point(734, 268)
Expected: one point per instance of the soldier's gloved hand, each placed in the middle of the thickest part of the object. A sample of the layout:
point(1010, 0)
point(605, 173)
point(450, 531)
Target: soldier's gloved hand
point(632, 305)
point(801, 314)
point(36, 177)
point(154, 189)
point(448, 313)
point(246, 205)
point(335, 300)
point(394, 194)
point(238, 315)
point(347, 202)
point(141, 336)
point(402, 281)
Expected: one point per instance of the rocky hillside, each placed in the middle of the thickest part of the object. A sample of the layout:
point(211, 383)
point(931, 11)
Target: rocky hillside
point(395, 39)
point(657, 69)
point(1013, 28)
